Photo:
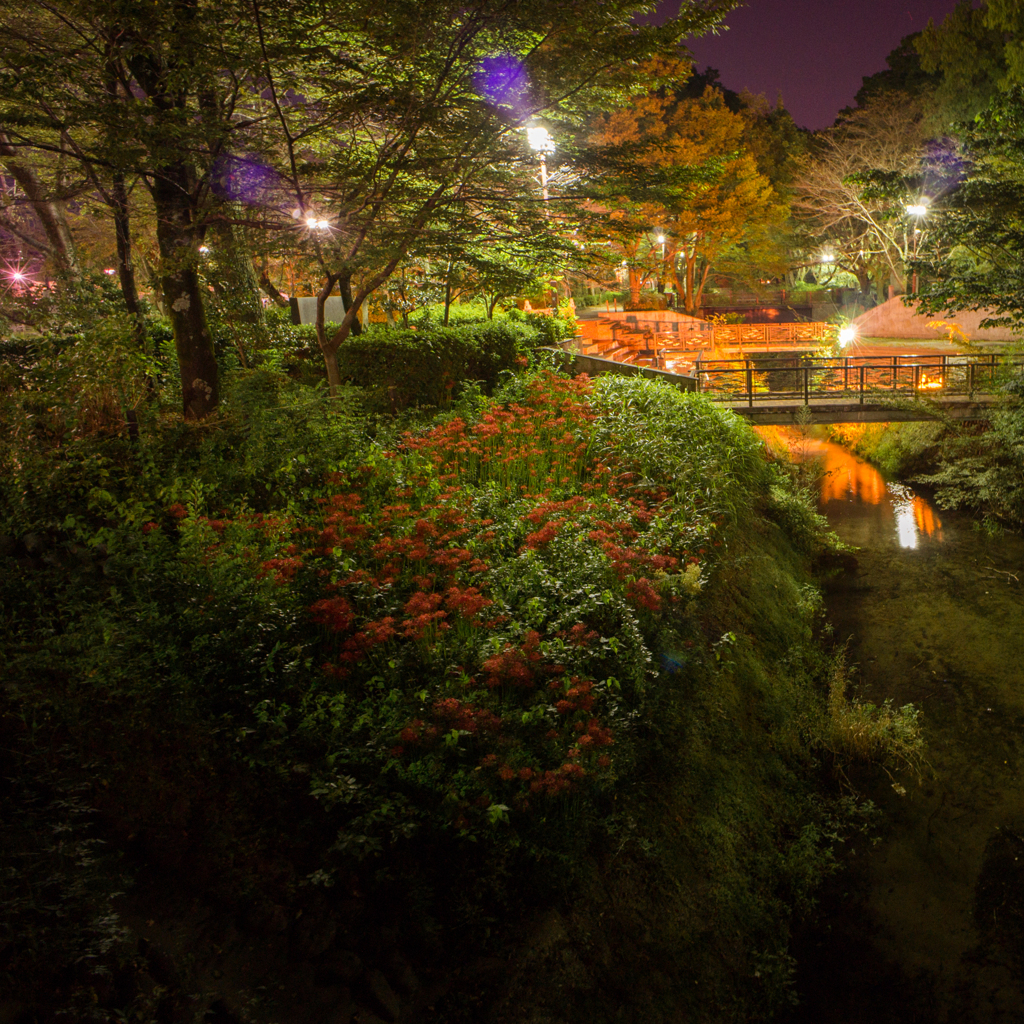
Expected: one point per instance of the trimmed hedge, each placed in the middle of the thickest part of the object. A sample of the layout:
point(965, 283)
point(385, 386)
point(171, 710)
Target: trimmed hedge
point(400, 367)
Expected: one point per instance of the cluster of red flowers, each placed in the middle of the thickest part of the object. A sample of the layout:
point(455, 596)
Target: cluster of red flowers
point(513, 666)
point(577, 698)
point(423, 554)
point(456, 714)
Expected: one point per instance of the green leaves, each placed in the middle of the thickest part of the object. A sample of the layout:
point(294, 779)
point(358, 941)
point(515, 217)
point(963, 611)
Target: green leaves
point(975, 242)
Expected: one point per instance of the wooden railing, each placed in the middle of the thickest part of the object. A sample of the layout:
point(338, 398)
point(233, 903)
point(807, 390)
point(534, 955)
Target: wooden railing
point(700, 333)
point(751, 380)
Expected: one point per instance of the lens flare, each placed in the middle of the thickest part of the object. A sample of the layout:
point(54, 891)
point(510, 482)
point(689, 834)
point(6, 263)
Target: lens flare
point(502, 80)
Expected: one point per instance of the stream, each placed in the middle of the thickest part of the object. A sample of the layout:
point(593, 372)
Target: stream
point(927, 926)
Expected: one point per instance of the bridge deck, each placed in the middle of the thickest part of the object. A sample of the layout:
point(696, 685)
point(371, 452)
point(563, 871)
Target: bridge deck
point(842, 410)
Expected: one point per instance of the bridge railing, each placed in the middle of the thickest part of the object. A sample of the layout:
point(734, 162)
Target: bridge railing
point(860, 378)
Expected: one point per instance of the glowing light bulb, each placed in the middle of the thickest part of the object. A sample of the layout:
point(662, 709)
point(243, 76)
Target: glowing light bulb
point(846, 335)
point(540, 138)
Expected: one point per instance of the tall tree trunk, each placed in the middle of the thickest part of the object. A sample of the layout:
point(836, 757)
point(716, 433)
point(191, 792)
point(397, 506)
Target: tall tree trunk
point(268, 286)
point(634, 288)
point(684, 283)
point(447, 293)
point(179, 279)
point(50, 212)
point(328, 346)
point(125, 272)
point(345, 290)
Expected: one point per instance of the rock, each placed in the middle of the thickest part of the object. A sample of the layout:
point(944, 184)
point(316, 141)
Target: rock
point(364, 1016)
point(400, 969)
point(312, 936)
point(339, 966)
point(384, 995)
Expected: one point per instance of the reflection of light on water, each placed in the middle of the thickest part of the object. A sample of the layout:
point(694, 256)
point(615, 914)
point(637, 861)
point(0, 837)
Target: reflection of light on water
point(927, 521)
point(914, 516)
point(906, 522)
point(849, 479)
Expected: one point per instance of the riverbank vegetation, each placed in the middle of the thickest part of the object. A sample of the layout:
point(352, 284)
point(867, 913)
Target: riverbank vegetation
point(403, 694)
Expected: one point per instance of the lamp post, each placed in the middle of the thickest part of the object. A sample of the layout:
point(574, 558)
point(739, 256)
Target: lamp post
point(542, 144)
point(661, 272)
point(917, 211)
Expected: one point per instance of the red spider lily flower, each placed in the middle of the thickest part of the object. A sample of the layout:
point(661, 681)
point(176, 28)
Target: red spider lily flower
point(283, 569)
point(509, 666)
point(643, 594)
point(333, 612)
point(422, 603)
point(468, 603)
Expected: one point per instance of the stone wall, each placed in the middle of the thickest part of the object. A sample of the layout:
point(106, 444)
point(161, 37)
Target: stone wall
point(893, 319)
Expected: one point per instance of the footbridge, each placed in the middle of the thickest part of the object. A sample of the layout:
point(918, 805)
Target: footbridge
point(784, 388)
point(852, 389)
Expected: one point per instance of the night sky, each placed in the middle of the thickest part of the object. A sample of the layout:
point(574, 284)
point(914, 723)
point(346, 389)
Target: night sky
point(815, 51)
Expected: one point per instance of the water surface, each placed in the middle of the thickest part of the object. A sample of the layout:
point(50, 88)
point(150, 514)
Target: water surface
point(929, 926)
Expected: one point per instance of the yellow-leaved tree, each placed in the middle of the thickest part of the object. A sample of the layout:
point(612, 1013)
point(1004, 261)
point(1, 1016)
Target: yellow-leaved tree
point(691, 181)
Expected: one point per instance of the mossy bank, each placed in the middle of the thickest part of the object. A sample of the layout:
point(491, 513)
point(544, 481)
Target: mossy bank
point(517, 715)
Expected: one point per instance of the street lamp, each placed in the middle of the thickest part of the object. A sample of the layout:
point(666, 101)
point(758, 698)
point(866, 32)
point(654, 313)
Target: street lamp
point(542, 143)
point(916, 210)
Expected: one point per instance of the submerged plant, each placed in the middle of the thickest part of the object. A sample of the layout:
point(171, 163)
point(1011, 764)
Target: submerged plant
point(883, 735)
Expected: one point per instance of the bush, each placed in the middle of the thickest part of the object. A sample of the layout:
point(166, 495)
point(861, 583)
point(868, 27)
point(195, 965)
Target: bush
point(402, 367)
point(648, 300)
point(587, 299)
point(543, 643)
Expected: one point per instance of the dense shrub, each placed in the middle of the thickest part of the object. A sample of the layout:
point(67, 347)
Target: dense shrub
point(399, 367)
point(900, 450)
point(449, 669)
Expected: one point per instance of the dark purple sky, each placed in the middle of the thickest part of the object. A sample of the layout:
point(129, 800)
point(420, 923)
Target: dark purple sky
point(815, 51)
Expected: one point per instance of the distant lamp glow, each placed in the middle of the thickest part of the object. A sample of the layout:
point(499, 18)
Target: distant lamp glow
point(18, 275)
point(917, 209)
point(204, 249)
point(661, 239)
point(109, 271)
point(847, 335)
point(828, 256)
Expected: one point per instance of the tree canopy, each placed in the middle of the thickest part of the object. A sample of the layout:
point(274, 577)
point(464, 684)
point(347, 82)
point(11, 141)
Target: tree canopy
point(352, 136)
point(683, 173)
point(975, 250)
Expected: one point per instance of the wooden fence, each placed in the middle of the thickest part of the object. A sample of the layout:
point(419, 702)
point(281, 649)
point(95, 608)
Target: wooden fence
point(699, 333)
